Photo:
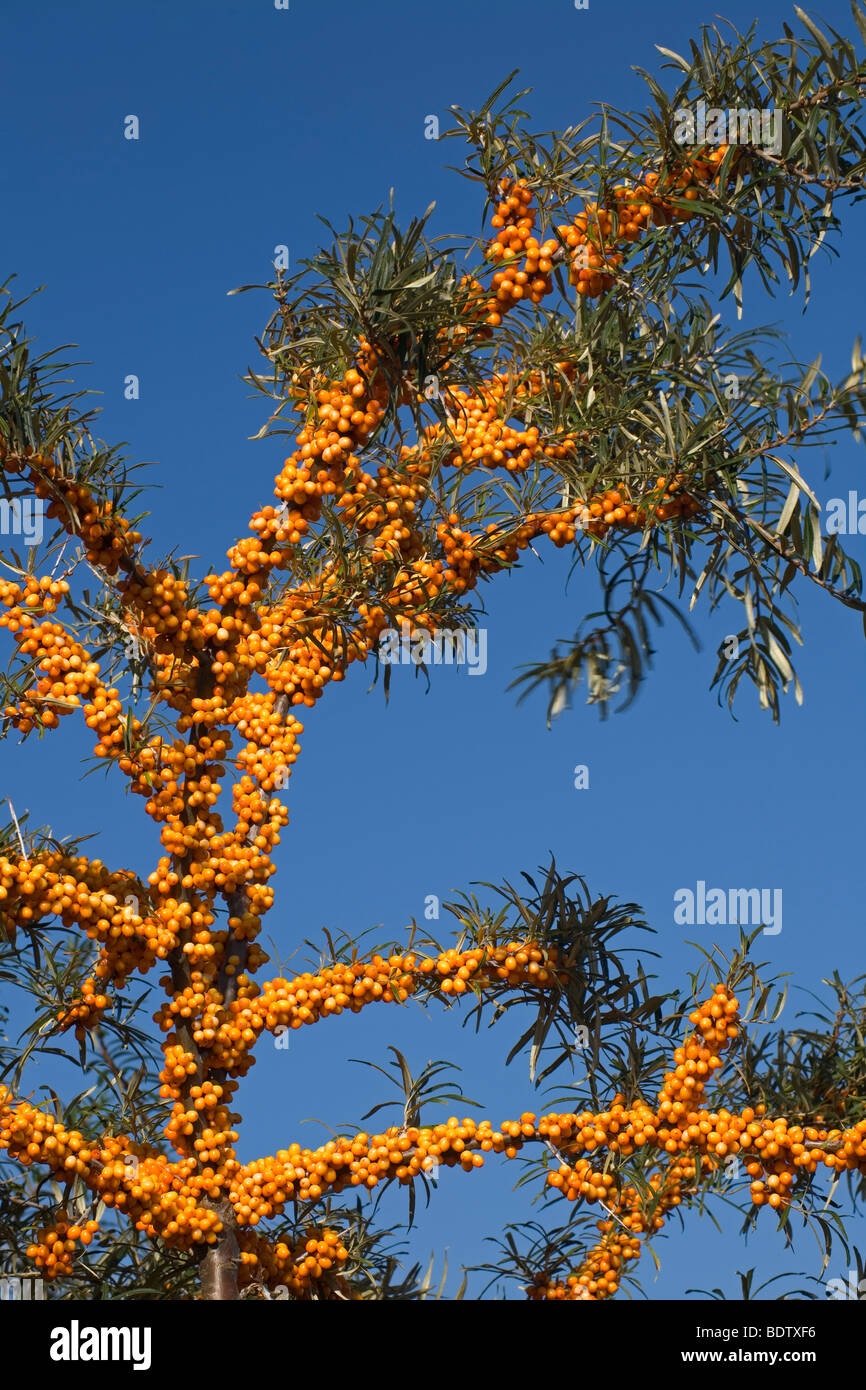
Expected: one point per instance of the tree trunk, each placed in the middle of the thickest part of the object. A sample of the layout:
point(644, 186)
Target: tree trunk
point(219, 1268)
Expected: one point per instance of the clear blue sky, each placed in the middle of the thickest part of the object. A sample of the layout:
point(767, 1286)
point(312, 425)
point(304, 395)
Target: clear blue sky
point(253, 122)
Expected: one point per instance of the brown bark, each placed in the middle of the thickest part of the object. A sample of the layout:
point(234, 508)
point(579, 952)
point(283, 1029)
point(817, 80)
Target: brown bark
point(219, 1268)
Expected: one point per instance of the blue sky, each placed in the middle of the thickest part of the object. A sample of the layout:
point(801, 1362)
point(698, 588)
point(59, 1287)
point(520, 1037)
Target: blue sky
point(254, 122)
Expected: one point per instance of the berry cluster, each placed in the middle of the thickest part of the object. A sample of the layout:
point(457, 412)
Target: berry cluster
point(226, 676)
point(310, 1267)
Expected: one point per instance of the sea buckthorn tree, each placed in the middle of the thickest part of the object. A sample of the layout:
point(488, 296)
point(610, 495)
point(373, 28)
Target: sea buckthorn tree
point(563, 377)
